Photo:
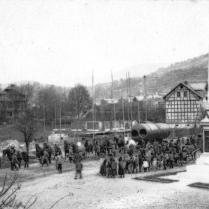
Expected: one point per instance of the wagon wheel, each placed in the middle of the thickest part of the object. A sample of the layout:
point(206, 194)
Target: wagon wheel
point(130, 168)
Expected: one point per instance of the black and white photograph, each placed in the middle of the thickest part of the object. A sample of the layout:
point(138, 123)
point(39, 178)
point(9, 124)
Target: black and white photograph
point(104, 104)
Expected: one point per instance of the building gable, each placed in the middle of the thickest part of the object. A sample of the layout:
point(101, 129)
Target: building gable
point(181, 87)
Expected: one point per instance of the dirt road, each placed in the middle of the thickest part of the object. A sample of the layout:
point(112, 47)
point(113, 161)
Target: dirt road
point(55, 190)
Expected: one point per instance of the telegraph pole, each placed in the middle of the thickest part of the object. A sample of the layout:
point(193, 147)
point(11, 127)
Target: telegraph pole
point(55, 113)
point(93, 100)
point(114, 120)
point(44, 119)
point(127, 94)
point(60, 116)
point(145, 96)
point(130, 96)
point(123, 115)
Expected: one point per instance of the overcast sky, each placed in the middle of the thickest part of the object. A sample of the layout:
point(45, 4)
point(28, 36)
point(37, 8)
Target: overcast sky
point(60, 42)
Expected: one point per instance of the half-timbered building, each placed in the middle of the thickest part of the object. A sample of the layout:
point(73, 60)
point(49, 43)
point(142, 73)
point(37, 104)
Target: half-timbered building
point(184, 103)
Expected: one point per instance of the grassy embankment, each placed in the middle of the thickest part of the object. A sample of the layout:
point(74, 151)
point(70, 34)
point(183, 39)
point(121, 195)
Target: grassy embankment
point(10, 132)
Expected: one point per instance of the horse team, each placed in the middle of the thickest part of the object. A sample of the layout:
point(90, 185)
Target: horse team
point(15, 157)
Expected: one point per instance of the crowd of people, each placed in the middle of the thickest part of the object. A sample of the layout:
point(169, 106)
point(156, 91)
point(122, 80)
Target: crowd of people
point(145, 157)
point(117, 155)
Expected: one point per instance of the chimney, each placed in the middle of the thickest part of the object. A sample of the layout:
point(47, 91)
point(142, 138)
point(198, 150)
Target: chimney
point(186, 82)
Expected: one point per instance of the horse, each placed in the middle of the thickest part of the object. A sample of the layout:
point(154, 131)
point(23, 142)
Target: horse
point(120, 143)
point(39, 152)
point(20, 156)
point(25, 158)
point(89, 147)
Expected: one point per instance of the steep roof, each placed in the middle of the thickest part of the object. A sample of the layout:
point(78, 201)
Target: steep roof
point(199, 86)
point(10, 91)
point(187, 86)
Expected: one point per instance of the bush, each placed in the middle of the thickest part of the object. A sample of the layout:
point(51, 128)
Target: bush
point(8, 195)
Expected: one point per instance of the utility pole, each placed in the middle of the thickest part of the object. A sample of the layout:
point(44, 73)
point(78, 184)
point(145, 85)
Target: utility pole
point(123, 115)
point(138, 112)
point(65, 106)
point(76, 113)
point(60, 117)
point(138, 104)
point(130, 96)
point(93, 100)
point(55, 113)
point(44, 119)
point(114, 120)
point(145, 96)
point(127, 94)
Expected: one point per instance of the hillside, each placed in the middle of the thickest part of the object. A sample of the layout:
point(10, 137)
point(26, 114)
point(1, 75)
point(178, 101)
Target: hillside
point(160, 81)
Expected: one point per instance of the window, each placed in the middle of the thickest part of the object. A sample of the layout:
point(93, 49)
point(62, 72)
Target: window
point(178, 94)
point(185, 93)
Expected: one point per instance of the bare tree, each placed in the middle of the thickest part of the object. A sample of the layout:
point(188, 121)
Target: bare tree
point(8, 195)
point(79, 101)
point(27, 124)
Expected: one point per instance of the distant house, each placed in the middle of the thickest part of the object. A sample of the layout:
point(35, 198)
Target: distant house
point(12, 102)
point(184, 103)
point(154, 100)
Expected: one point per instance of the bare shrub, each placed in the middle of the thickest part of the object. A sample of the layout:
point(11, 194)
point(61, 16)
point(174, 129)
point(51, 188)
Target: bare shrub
point(8, 195)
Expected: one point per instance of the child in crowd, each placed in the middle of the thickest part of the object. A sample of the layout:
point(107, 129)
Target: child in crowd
point(154, 163)
point(97, 150)
point(140, 162)
point(103, 168)
point(79, 168)
point(181, 157)
point(158, 157)
point(136, 159)
point(113, 150)
point(59, 160)
point(164, 161)
point(114, 168)
point(171, 159)
point(109, 169)
point(71, 156)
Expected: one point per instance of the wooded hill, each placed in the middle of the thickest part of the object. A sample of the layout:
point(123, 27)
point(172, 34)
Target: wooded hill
point(161, 81)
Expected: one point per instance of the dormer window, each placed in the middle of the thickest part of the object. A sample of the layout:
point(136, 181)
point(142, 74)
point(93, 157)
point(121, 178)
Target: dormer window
point(178, 94)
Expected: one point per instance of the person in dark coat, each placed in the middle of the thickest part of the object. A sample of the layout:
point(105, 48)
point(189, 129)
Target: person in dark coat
point(77, 157)
point(57, 150)
point(45, 158)
point(103, 168)
point(109, 169)
point(66, 148)
point(14, 161)
point(114, 168)
point(121, 171)
point(79, 168)
point(140, 162)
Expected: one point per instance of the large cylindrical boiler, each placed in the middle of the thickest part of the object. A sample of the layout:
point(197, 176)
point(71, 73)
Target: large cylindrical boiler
point(149, 131)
